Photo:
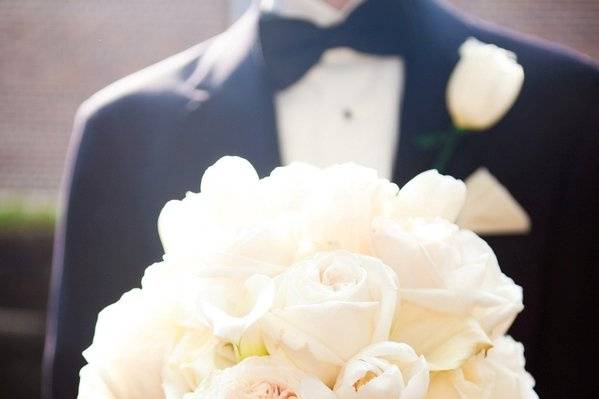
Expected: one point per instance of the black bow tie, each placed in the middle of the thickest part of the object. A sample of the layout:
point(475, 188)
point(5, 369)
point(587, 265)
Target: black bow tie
point(292, 46)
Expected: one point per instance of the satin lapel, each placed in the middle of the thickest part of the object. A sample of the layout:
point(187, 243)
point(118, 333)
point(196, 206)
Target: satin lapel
point(435, 36)
point(231, 102)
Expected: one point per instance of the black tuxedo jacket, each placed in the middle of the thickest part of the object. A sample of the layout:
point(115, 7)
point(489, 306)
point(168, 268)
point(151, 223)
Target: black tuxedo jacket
point(149, 137)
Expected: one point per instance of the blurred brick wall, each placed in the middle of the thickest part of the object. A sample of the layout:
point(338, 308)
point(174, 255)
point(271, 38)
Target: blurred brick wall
point(574, 23)
point(56, 53)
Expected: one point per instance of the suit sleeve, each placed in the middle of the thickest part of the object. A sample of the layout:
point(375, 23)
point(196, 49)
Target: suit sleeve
point(90, 246)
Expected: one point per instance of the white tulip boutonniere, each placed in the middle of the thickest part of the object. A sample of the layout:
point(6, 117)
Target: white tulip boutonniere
point(481, 89)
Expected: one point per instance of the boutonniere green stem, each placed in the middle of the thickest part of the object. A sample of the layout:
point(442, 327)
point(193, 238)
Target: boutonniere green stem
point(445, 142)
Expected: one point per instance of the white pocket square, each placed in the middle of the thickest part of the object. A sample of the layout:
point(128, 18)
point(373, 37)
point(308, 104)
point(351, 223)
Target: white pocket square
point(490, 208)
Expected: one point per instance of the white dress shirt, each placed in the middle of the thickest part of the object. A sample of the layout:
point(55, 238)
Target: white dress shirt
point(346, 107)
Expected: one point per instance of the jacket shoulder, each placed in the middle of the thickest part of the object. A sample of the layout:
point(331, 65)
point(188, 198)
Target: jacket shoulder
point(561, 80)
point(134, 111)
point(159, 86)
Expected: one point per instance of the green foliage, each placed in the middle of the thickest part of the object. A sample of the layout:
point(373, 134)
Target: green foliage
point(20, 215)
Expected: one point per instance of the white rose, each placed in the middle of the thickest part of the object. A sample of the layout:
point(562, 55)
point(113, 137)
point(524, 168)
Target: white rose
point(498, 374)
point(230, 306)
point(93, 386)
point(218, 326)
point(287, 187)
point(230, 220)
point(130, 345)
point(387, 370)
point(328, 308)
point(194, 356)
point(264, 377)
point(483, 86)
point(430, 194)
point(165, 338)
point(227, 300)
point(454, 296)
point(340, 206)
point(203, 220)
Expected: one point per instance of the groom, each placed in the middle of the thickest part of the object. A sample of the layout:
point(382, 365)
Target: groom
point(326, 82)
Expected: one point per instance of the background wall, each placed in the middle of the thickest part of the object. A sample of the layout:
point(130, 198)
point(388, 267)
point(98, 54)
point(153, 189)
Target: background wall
point(56, 53)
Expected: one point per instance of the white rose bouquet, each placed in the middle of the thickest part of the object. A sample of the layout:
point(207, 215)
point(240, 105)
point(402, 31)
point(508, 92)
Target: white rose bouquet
point(313, 284)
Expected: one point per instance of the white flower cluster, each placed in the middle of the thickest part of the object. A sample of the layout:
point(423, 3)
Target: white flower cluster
point(313, 284)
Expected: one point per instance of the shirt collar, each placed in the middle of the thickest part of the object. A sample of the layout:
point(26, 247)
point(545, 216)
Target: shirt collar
point(315, 11)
